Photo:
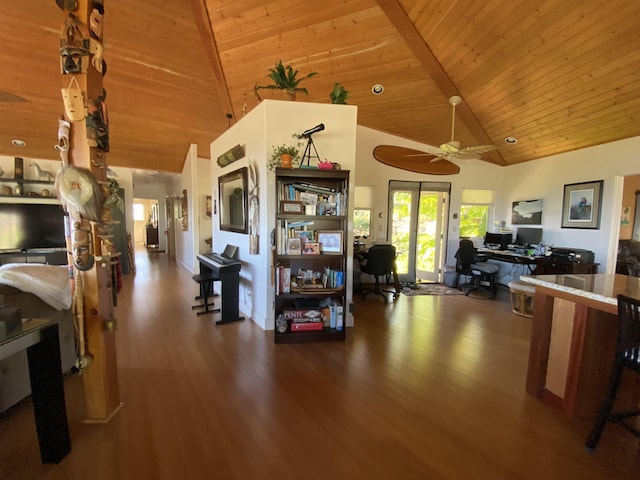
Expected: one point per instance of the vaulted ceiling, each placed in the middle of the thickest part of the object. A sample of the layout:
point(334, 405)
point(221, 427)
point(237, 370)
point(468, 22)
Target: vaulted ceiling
point(558, 75)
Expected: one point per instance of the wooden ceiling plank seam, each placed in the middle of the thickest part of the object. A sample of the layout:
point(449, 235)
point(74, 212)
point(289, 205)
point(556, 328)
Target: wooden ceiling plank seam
point(528, 40)
point(550, 68)
point(397, 16)
point(571, 94)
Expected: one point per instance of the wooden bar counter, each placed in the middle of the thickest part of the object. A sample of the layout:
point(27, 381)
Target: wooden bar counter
point(573, 339)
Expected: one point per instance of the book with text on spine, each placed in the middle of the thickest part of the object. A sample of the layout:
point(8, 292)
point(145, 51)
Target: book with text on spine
point(307, 326)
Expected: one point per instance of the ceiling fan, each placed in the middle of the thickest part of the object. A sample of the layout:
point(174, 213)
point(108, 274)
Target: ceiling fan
point(452, 149)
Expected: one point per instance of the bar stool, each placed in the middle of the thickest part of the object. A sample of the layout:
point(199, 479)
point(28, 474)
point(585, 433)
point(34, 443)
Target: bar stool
point(205, 282)
point(522, 294)
point(627, 355)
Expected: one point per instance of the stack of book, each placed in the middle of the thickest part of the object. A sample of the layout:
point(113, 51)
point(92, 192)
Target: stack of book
point(305, 319)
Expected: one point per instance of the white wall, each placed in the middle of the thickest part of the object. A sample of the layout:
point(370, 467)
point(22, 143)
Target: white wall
point(541, 179)
point(204, 224)
point(271, 123)
point(545, 179)
point(473, 174)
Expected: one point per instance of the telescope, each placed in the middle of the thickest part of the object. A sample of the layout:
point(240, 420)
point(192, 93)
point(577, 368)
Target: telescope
point(311, 131)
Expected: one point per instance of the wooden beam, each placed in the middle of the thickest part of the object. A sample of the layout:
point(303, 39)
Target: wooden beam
point(203, 22)
point(416, 43)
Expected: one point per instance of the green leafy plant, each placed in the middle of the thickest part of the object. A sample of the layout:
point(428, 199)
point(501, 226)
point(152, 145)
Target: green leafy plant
point(285, 78)
point(279, 150)
point(339, 95)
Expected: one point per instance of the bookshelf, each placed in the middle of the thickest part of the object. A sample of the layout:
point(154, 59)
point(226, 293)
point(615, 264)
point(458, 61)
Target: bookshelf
point(310, 261)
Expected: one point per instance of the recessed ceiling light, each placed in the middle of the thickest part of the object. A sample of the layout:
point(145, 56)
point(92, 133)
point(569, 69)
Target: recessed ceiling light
point(18, 143)
point(511, 140)
point(377, 89)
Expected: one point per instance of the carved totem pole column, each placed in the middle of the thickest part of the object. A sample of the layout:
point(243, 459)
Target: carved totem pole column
point(83, 143)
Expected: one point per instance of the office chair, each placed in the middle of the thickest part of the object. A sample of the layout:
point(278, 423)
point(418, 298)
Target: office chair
point(627, 355)
point(483, 274)
point(380, 260)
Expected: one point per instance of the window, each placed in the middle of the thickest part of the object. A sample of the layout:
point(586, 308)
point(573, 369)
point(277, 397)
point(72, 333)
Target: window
point(363, 205)
point(361, 222)
point(138, 212)
point(476, 211)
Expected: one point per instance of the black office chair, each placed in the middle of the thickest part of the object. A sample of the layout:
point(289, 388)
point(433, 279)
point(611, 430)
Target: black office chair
point(380, 261)
point(627, 355)
point(483, 274)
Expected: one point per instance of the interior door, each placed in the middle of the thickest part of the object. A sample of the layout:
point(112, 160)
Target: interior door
point(417, 227)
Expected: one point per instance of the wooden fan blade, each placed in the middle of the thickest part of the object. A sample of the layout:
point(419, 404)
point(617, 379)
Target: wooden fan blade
point(414, 160)
point(480, 148)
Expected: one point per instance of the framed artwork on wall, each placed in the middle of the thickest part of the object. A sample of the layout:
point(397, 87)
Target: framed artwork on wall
point(581, 205)
point(526, 212)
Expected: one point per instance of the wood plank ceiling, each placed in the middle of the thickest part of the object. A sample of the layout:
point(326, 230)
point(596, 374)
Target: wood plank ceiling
point(558, 75)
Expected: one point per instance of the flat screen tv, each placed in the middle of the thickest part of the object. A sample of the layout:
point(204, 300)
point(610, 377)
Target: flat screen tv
point(30, 226)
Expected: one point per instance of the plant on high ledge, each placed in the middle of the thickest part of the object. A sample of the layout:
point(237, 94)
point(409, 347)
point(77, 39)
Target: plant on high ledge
point(339, 95)
point(285, 79)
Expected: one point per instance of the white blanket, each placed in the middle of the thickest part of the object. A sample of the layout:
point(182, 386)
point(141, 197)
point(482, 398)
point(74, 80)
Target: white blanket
point(49, 282)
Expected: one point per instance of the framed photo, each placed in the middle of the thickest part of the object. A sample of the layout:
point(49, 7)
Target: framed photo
point(296, 208)
point(311, 248)
point(330, 241)
point(526, 212)
point(294, 246)
point(581, 205)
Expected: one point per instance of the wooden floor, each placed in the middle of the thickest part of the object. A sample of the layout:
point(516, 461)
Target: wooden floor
point(424, 388)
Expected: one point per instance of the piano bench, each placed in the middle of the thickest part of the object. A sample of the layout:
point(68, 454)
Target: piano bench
point(205, 282)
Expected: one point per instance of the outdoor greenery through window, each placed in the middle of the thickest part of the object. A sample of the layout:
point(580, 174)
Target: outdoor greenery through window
point(475, 212)
point(362, 222)
point(474, 220)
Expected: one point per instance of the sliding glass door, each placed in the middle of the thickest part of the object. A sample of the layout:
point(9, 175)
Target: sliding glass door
point(417, 227)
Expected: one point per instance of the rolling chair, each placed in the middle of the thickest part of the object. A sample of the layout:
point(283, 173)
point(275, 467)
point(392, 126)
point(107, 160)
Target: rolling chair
point(380, 261)
point(627, 355)
point(483, 274)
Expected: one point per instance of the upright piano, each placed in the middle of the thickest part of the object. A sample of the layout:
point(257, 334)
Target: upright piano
point(228, 270)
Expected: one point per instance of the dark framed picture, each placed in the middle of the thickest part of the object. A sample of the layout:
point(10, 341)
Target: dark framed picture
point(295, 208)
point(581, 205)
point(526, 212)
point(330, 241)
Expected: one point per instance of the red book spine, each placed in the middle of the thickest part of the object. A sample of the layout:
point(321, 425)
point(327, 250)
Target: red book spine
point(300, 327)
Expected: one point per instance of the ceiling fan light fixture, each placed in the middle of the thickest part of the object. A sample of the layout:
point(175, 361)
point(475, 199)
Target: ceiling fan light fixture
point(377, 89)
point(18, 143)
point(511, 140)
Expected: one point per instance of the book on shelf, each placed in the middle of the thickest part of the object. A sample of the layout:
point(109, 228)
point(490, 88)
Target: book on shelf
point(306, 327)
point(302, 315)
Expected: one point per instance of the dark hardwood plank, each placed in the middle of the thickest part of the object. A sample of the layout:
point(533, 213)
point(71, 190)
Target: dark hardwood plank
point(425, 387)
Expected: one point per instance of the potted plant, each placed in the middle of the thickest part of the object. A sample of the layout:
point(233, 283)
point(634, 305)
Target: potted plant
point(285, 78)
point(339, 95)
point(284, 156)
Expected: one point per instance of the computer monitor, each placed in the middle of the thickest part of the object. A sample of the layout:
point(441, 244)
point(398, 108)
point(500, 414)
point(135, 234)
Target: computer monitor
point(526, 236)
point(230, 251)
point(497, 240)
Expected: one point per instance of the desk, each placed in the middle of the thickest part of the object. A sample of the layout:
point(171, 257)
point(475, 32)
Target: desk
point(40, 339)
point(573, 339)
point(509, 257)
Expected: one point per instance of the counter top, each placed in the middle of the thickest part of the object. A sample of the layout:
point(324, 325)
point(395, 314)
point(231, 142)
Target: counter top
point(601, 287)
